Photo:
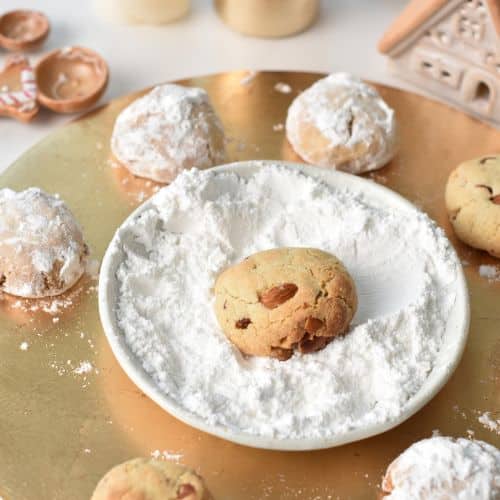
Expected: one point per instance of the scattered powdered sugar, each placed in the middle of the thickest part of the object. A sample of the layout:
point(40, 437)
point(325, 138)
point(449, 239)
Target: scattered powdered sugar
point(492, 273)
point(283, 88)
point(350, 115)
point(278, 127)
point(166, 455)
point(490, 423)
point(83, 367)
point(23, 346)
point(443, 467)
point(248, 78)
point(169, 129)
point(405, 272)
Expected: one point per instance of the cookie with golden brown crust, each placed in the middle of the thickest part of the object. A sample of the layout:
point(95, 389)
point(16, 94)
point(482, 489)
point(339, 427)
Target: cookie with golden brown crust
point(150, 479)
point(473, 203)
point(286, 299)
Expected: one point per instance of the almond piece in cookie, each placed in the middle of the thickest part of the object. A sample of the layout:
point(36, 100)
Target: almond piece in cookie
point(284, 300)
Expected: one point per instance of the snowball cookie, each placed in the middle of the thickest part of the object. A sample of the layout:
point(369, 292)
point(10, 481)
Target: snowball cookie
point(150, 479)
point(343, 123)
point(169, 129)
point(42, 252)
point(443, 468)
point(473, 203)
point(285, 299)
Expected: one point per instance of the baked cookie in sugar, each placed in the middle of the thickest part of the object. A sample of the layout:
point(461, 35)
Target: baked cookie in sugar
point(170, 129)
point(343, 123)
point(42, 251)
point(286, 299)
point(473, 203)
point(151, 479)
point(443, 468)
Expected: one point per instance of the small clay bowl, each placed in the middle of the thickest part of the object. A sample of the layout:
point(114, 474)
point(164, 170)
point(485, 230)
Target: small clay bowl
point(23, 29)
point(71, 79)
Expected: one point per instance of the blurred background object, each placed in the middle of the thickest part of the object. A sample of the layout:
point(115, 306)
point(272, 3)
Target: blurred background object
point(343, 37)
point(142, 11)
point(268, 18)
point(23, 29)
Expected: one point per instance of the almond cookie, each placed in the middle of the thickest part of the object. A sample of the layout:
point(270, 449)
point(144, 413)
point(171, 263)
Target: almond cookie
point(444, 468)
point(170, 129)
point(343, 123)
point(473, 203)
point(286, 299)
point(42, 251)
point(150, 479)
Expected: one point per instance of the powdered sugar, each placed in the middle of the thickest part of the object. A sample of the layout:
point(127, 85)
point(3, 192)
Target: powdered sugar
point(83, 367)
point(489, 422)
point(492, 273)
point(349, 115)
point(442, 467)
point(169, 129)
point(283, 88)
point(404, 270)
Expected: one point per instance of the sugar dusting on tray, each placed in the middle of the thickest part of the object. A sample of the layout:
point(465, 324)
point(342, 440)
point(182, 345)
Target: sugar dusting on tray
point(404, 270)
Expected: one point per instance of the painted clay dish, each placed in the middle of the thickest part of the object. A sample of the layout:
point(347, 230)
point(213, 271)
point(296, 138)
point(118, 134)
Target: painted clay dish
point(23, 29)
point(18, 90)
point(71, 79)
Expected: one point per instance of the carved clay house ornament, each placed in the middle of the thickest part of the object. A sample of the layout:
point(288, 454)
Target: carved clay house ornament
point(450, 48)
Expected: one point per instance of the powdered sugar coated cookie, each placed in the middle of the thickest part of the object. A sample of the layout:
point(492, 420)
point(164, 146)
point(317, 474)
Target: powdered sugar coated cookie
point(170, 129)
point(342, 122)
point(42, 252)
point(444, 468)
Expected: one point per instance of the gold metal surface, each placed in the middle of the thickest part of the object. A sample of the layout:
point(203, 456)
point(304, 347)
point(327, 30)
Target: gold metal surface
point(60, 429)
point(268, 18)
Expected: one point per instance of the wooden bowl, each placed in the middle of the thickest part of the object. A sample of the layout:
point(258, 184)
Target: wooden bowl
point(23, 29)
point(71, 79)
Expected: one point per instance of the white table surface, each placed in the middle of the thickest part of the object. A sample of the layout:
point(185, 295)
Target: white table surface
point(343, 38)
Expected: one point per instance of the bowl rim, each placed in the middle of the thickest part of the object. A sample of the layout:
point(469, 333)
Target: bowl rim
point(134, 370)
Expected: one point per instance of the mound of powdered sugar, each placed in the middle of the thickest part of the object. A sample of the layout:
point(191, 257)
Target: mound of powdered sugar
point(403, 266)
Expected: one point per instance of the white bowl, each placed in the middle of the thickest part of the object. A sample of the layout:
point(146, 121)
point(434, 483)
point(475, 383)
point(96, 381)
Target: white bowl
point(454, 339)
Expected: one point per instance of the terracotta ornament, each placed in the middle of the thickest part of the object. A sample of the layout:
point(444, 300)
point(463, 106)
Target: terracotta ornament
point(18, 89)
point(71, 79)
point(451, 49)
point(23, 29)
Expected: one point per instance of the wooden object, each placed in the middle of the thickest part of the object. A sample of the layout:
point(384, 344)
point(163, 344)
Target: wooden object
point(451, 49)
point(23, 29)
point(71, 79)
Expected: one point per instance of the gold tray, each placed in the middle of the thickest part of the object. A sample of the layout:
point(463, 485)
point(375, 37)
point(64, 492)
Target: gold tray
point(62, 427)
